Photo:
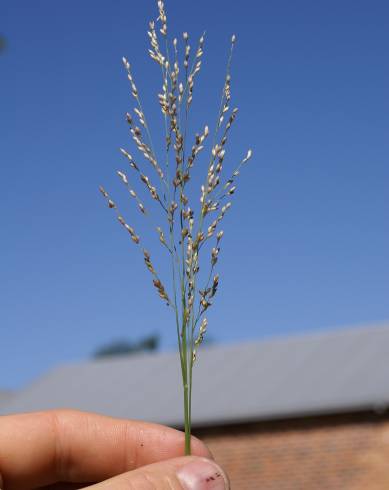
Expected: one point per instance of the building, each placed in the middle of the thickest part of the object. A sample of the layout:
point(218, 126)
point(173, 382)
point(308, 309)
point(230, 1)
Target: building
point(303, 412)
point(5, 396)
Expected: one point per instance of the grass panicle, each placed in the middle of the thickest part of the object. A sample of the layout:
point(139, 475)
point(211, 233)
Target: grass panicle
point(188, 226)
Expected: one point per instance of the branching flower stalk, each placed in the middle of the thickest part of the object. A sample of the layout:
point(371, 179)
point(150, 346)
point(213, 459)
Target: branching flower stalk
point(188, 232)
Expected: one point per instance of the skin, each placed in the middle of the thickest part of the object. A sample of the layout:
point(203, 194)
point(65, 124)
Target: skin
point(65, 449)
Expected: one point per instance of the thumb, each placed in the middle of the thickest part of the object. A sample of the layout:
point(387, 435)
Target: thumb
point(186, 473)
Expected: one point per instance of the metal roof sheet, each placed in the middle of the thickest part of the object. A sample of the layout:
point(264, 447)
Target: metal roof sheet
point(330, 372)
point(5, 396)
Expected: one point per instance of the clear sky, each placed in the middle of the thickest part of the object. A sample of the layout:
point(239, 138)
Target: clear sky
point(306, 243)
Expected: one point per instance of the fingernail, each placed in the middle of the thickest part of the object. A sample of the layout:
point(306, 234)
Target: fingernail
point(202, 474)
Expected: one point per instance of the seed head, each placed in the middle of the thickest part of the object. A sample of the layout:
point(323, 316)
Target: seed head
point(170, 192)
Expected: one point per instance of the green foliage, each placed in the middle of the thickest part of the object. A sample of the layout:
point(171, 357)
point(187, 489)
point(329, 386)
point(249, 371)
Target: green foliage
point(124, 347)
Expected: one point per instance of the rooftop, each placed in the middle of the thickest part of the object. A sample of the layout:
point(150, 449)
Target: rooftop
point(338, 371)
point(5, 396)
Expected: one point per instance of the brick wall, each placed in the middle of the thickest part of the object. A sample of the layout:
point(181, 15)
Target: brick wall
point(323, 453)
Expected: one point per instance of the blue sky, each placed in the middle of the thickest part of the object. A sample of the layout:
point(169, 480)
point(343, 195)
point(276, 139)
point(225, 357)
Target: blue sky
point(306, 242)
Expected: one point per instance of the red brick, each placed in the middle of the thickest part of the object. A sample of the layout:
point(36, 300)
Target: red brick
point(348, 452)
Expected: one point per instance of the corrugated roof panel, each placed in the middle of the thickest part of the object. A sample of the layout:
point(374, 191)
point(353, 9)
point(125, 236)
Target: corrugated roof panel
point(344, 370)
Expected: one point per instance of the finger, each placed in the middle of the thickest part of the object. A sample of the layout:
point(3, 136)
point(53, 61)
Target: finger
point(43, 448)
point(64, 486)
point(187, 473)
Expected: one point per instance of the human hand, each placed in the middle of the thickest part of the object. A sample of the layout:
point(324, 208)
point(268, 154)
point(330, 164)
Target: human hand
point(65, 449)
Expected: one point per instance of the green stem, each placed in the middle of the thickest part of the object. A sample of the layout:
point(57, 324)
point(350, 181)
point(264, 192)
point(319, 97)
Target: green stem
point(185, 382)
point(187, 419)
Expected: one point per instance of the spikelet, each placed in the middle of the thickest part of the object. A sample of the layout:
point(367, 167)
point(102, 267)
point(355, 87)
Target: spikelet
point(134, 237)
